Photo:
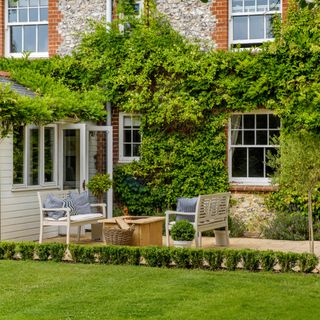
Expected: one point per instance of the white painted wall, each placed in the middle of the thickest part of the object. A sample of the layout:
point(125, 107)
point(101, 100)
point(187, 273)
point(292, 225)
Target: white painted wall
point(19, 210)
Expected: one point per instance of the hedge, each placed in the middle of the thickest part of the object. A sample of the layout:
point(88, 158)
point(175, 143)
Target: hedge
point(208, 259)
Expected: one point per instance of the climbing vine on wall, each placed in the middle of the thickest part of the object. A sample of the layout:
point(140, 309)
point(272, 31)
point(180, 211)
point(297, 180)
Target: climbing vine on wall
point(183, 94)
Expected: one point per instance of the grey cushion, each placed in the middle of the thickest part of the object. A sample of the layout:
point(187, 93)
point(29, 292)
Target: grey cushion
point(186, 205)
point(81, 202)
point(54, 202)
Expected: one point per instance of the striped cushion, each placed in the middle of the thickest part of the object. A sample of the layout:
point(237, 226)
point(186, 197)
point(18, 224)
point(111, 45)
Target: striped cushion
point(68, 203)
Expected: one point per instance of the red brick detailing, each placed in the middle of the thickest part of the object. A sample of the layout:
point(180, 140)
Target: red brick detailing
point(115, 128)
point(2, 35)
point(54, 17)
point(252, 189)
point(5, 74)
point(285, 5)
point(220, 33)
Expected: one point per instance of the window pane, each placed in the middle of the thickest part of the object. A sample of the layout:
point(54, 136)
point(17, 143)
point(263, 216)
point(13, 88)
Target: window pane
point(23, 3)
point(272, 135)
point(49, 154)
point(43, 2)
point(270, 152)
point(240, 28)
point(127, 121)
point(136, 150)
point(274, 5)
point(30, 38)
point(269, 33)
point(127, 150)
point(33, 3)
point(43, 38)
point(237, 6)
point(236, 137)
point(12, 15)
point(248, 137)
point(256, 27)
point(239, 162)
point(136, 136)
point(262, 5)
point(33, 167)
point(15, 39)
point(249, 121)
point(43, 14)
point(262, 137)
point(256, 159)
point(127, 136)
point(18, 155)
point(23, 15)
point(262, 121)
point(136, 121)
point(236, 121)
point(12, 4)
point(249, 6)
point(274, 122)
point(33, 14)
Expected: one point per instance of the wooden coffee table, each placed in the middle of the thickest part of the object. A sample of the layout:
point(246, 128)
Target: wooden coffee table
point(147, 232)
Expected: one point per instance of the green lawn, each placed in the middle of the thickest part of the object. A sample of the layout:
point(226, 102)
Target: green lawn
point(36, 290)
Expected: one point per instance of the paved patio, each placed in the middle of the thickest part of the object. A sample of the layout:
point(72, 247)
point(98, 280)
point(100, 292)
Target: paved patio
point(237, 243)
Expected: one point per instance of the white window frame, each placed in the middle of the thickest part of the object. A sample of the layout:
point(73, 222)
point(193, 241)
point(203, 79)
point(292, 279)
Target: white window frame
point(26, 158)
point(247, 180)
point(247, 14)
point(123, 158)
point(7, 36)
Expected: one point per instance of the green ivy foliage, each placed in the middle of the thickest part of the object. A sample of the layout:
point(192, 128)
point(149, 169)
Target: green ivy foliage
point(184, 95)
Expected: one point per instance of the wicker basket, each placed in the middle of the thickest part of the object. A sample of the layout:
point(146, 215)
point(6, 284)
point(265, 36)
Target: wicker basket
point(118, 236)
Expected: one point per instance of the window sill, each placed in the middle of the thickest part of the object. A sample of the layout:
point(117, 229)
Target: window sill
point(252, 188)
point(33, 55)
point(128, 160)
point(33, 188)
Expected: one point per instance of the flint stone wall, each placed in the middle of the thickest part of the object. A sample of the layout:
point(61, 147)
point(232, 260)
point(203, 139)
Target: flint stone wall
point(191, 18)
point(252, 210)
point(75, 15)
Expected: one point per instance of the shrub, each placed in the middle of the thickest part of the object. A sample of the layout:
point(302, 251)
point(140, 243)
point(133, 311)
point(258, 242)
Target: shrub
point(182, 230)
point(237, 226)
point(250, 259)
point(181, 257)
point(287, 261)
point(82, 254)
point(26, 250)
point(232, 258)
point(307, 262)
point(157, 256)
point(214, 258)
point(99, 184)
point(196, 258)
point(284, 226)
point(7, 249)
point(57, 251)
point(42, 250)
point(268, 260)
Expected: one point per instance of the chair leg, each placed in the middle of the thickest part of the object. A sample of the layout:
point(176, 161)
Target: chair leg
point(200, 239)
point(167, 232)
point(41, 233)
point(79, 232)
point(68, 234)
point(196, 236)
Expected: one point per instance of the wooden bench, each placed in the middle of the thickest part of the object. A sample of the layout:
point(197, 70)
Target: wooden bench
point(68, 220)
point(211, 213)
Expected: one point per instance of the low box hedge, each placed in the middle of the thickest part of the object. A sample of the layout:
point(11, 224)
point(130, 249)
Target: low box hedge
point(210, 259)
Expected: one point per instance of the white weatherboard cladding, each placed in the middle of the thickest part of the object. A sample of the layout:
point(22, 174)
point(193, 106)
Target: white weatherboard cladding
point(19, 211)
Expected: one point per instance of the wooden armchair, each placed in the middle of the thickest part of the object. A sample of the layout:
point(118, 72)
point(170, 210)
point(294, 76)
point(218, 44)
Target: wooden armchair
point(211, 213)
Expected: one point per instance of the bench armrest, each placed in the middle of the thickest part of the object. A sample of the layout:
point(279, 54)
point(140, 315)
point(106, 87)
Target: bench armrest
point(168, 213)
point(101, 205)
point(55, 209)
